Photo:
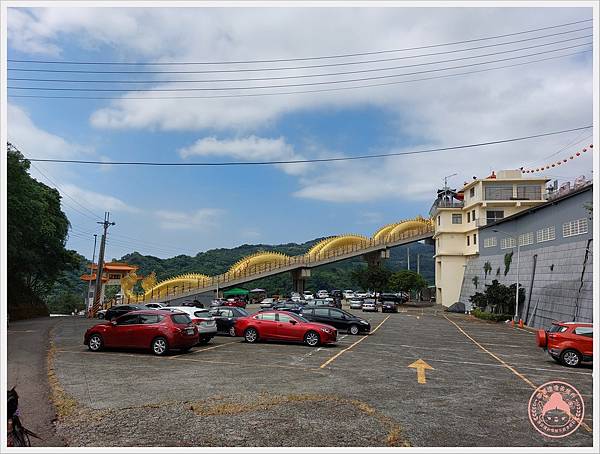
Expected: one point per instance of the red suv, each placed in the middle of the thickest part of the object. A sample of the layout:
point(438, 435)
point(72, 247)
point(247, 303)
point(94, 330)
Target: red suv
point(158, 330)
point(275, 325)
point(568, 343)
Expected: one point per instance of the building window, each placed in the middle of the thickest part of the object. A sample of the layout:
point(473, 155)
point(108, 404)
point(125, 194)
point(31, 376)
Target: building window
point(472, 194)
point(457, 219)
point(469, 220)
point(440, 223)
point(577, 227)
point(507, 243)
point(498, 192)
point(473, 215)
point(475, 242)
point(469, 243)
point(529, 192)
point(546, 234)
point(490, 242)
point(494, 215)
point(525, 239)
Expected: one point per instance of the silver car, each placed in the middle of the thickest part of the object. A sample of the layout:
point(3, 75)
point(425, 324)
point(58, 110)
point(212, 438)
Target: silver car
point(356, 303)
point(369, 306)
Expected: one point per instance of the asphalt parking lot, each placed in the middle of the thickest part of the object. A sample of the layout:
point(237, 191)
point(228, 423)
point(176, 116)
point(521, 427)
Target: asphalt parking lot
point(359, 392)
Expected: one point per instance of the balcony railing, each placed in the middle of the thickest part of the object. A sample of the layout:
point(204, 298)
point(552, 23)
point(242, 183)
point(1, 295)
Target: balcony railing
point(440, 203)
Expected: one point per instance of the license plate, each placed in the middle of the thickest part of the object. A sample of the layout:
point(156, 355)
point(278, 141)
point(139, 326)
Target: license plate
point(189, 331)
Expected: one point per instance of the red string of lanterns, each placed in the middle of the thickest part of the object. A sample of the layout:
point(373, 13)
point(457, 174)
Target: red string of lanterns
point(557, 163)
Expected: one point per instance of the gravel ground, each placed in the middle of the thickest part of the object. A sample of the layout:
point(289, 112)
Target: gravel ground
point(263, 420)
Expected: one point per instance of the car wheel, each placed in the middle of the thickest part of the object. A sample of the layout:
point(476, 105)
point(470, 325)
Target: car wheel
point(204, 340)
point(100, 316)
point(570, 358)
point(251, 335)
point(312, 339)
point(160, 346)
point(232, 331)
point(95, 343)
point(354, 330)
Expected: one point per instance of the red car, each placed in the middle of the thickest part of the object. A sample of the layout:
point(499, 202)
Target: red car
point(158, 330)
point(568, 343)
point(276, 325)
point(235, 303)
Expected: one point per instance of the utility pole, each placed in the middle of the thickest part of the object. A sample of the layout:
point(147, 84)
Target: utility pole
point(408, 258)
point(87, 297)
point(418, 265)
point(100, 266)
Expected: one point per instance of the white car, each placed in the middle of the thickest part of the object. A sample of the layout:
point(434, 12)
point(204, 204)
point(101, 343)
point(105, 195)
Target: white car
point(207, 327)
point(321, 294)
point(155, 306)
point(295, 297)
point(307, 295)
point(356, 303)
point(348, 294)
point(101, 314)
point(362, 295)
point(369, 306)
point(267, 303)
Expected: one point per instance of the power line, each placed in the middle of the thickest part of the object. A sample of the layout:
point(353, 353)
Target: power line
point(578, 139)
point(303, 161)
point(299, 76)
point(304, 84)
point(295, 92)
point(64, 193)
point(276, 60)
point(287, 68)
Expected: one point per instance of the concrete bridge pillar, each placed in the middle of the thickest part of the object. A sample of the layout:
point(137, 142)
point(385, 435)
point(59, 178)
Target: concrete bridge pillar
point(299, 277)
point(376, 258)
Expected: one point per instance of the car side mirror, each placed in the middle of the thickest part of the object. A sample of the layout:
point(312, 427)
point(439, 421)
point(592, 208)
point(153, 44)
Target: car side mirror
point(293, 322)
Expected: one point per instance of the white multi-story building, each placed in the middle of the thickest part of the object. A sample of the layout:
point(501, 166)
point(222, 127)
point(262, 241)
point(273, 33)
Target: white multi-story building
point(458, 215)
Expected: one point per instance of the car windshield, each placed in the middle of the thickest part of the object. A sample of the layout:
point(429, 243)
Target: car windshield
point(557, 329)
point(243, 312)
point(181, 319)
point(302, 319)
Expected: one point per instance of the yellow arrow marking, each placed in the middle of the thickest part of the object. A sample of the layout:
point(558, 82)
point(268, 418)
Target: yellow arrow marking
point(421, 365)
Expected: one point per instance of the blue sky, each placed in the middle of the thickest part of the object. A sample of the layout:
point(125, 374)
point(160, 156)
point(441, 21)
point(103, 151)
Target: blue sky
point(165, 211)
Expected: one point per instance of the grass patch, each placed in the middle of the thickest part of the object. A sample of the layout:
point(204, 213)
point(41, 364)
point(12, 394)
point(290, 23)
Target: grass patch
point(64, 404)
point(267, 401)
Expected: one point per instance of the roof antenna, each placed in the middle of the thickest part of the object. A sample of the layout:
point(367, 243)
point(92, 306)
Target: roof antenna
point(446, 180)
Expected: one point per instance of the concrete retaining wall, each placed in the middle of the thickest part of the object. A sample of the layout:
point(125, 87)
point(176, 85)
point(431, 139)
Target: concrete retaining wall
point(561, 288)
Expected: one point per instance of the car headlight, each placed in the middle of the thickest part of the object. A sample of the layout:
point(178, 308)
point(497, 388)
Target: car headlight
point(326, 330)
point(364, 322)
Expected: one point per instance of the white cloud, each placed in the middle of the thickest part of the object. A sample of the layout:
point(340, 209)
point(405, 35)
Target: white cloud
point(35, 142)
point(249, 148)
point(200, 220)
point(96, 201)
point(506, 103)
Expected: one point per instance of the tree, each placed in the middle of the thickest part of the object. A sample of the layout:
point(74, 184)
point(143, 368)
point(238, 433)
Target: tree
point(36, 234)
point(498, 298)
point(407, 281)
point(374, 278)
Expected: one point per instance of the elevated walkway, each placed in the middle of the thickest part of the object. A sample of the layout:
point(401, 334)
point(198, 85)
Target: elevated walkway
point(263, 265)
